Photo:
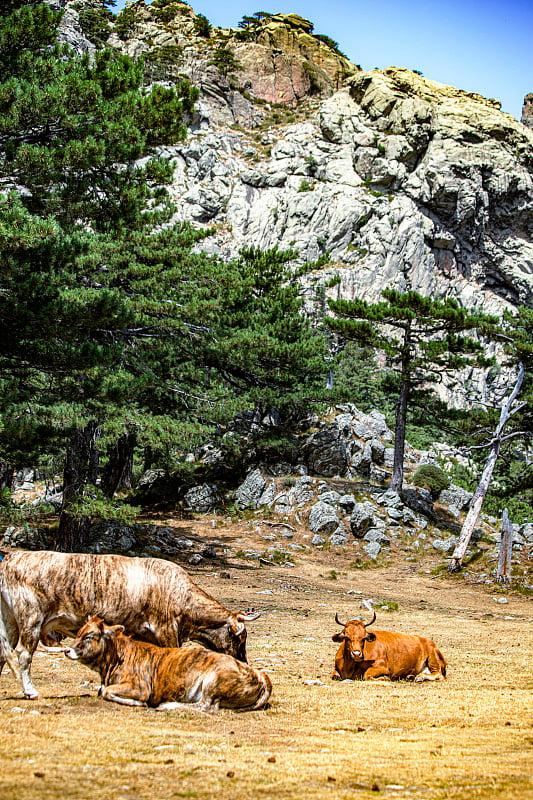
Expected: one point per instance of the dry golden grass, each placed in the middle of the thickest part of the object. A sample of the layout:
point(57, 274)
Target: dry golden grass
point(468, 736)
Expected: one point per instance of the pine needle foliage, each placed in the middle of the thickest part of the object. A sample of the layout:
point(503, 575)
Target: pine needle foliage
point(423, 339)
point(114, 326)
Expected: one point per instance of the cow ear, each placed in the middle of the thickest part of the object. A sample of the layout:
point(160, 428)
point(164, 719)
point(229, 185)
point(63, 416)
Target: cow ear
point(371, 637)
point(239, 628)
point(112, 630)
point(338, 637)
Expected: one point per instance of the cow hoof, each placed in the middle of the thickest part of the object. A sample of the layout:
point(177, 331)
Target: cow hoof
point(33, 695)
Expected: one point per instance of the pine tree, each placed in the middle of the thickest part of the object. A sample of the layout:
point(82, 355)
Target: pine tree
point(72, 131)
point(423, 338)
point(114, 333)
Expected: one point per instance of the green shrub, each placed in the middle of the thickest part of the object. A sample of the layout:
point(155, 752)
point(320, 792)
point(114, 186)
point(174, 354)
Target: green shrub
point(432, 477)
point(202, 26)
point(95, 24)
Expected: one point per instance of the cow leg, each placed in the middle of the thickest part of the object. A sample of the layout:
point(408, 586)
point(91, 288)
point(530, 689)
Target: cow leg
point(335, 676)
point(125, 694)
point(29, 639)
point(377, 672)
point(427, 675)
point(175, 706)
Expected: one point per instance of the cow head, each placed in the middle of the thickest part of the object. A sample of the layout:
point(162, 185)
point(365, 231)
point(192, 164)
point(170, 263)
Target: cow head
point(92, 641)
point(230, 637)
point(354, 635)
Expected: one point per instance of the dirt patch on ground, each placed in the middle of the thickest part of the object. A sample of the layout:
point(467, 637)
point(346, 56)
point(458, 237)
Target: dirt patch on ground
point(468, 736)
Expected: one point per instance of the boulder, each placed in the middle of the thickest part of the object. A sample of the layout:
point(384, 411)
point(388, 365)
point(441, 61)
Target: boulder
point(27, 538)
point(325, 452)
point(372, 549)
point(347, 502)
point(323, 519)
point(330, 497)
point(455, 496)
point(362, 461)
point(526, 531)
point(250, 491)
point(112, 536)
point(362, 518)
point(377, 535)
point(418, 500)
point(445, 545)
point(302, 491)
point(157, 486)
point(377, 449)
point(202, 498)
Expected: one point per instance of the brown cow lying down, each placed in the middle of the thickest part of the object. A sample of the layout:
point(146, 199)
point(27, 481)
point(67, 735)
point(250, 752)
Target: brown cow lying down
point(139, 673)
point(382, 655)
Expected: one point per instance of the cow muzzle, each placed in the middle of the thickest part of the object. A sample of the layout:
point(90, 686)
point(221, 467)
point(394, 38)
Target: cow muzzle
point(71, 653)
point(356, 653)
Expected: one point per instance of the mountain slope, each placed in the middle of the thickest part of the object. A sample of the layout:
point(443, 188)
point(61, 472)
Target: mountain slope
point(392, 178)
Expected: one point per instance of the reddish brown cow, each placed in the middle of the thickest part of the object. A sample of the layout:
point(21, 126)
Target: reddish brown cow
point(382, 655)
point(139, 673)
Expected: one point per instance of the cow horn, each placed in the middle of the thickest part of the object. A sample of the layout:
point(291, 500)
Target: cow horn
point(368, 624)
point(249, 616)
point(337, 620)
point(239, 628)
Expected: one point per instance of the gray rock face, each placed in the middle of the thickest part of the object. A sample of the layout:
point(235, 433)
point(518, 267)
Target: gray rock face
point(445, 545)
point(302, 491)
point(70, 31)
point(455, 496)
point(323, 519)
point(26, 538)
point(202, 498)
point(377, 535)
point(372, 549)
point(362, 519)
point(411, 183)
point(527, 111)
point(526, 531)
point(249, 492)
point(326, 452)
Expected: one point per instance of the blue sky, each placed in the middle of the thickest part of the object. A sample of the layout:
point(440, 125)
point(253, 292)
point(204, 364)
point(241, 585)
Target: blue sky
point(483, 47)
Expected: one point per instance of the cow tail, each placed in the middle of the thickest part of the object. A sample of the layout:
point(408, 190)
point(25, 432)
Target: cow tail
point(442, 662)
point(265, 691)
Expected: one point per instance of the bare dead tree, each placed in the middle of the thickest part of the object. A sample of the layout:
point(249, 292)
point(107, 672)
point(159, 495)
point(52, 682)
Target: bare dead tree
point(503, 573)
point(506, 411)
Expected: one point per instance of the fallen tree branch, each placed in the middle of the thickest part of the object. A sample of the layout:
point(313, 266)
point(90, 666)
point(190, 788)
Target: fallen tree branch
point(278, 524)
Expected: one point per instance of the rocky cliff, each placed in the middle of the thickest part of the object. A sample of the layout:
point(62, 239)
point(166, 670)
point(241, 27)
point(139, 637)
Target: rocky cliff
point(387, 177)
point(527, 111)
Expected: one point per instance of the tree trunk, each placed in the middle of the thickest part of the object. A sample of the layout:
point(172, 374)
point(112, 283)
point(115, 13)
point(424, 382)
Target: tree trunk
point(484, 483)
point(6, 475)
point(401, 412)
point(81, 468)
point(399, 438)
point(119, 468)
point(503, 573)
point(148, 458)
point(474, 510)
